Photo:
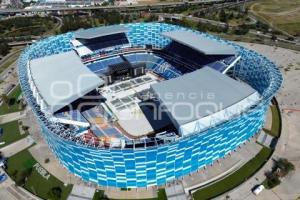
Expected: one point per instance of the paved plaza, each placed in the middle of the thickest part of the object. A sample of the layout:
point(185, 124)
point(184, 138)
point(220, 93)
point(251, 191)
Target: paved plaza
point(288, 145)
point(81, 192)
point(140, 193)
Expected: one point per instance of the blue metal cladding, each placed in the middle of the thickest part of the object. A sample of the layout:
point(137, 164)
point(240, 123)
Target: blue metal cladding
point(131, 168)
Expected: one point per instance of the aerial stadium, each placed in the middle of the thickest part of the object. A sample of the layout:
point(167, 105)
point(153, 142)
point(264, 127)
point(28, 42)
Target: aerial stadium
point(141, 104)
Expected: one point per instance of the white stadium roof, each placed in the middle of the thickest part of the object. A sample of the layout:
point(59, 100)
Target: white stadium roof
point(100, 32)
point(62, 78)
point(203, 98)
point(200, 43)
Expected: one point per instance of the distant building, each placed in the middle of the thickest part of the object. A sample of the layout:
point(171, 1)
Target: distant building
point(11, 4)
point(68, 3)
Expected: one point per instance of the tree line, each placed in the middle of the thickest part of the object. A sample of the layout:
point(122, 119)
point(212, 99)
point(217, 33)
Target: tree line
point(98, 18)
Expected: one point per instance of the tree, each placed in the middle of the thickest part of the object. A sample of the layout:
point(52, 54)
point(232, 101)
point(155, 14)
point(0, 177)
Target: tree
point(25, 128)
point(261, 26)
point(223, 16)
point(11, 101)
point(55, 193)
point(246, 10)
point(126, 18)
point(99, 195)
point(201, 27)
point(272, 180)
point(22, 177)
point(226, 28)
point(5, 99)
point(150, 18)
point(231, 15)
point(241, 29)
point(113, 17)
point(285, 166)
point(47, 160)
point(273, 37)
point(4, 48)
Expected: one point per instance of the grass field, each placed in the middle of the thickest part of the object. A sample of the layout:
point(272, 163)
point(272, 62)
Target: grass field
point(11, 133)
point(275, 121)
point(9, 61)
point(5, 108)
point(284, 15)
point(275, 127)
point(98, 195)
point(35, 183)
point(234, 179)
point(161, 195)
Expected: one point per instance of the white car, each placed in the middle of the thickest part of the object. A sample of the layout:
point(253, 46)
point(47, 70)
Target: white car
point(258, 189)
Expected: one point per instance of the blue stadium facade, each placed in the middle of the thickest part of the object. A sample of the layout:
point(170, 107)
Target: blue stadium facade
point(156, 165)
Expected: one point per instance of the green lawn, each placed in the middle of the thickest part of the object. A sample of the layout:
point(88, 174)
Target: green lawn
point(5, 108)
point(234, 179)
point(11, 133)
point(35, 183)
point(99, 195)
point(162, 194)
point(275, 121)
point(275, 127)
point(39, 186)
point(283, 15)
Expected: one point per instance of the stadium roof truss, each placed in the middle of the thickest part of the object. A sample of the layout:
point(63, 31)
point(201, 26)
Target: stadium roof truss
point(203, 98)
point(200, 43)
point(60, 79)
point(100, 32)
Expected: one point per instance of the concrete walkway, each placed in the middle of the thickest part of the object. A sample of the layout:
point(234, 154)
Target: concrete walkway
point(12, 117)
point(288, 145)
point(141, 193)
point(176, 192)
point(81, 192)
point(16, 147)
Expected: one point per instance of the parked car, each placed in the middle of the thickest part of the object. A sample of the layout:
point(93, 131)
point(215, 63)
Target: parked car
point(3, 177)
point(258, 189)
point(3, 162)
